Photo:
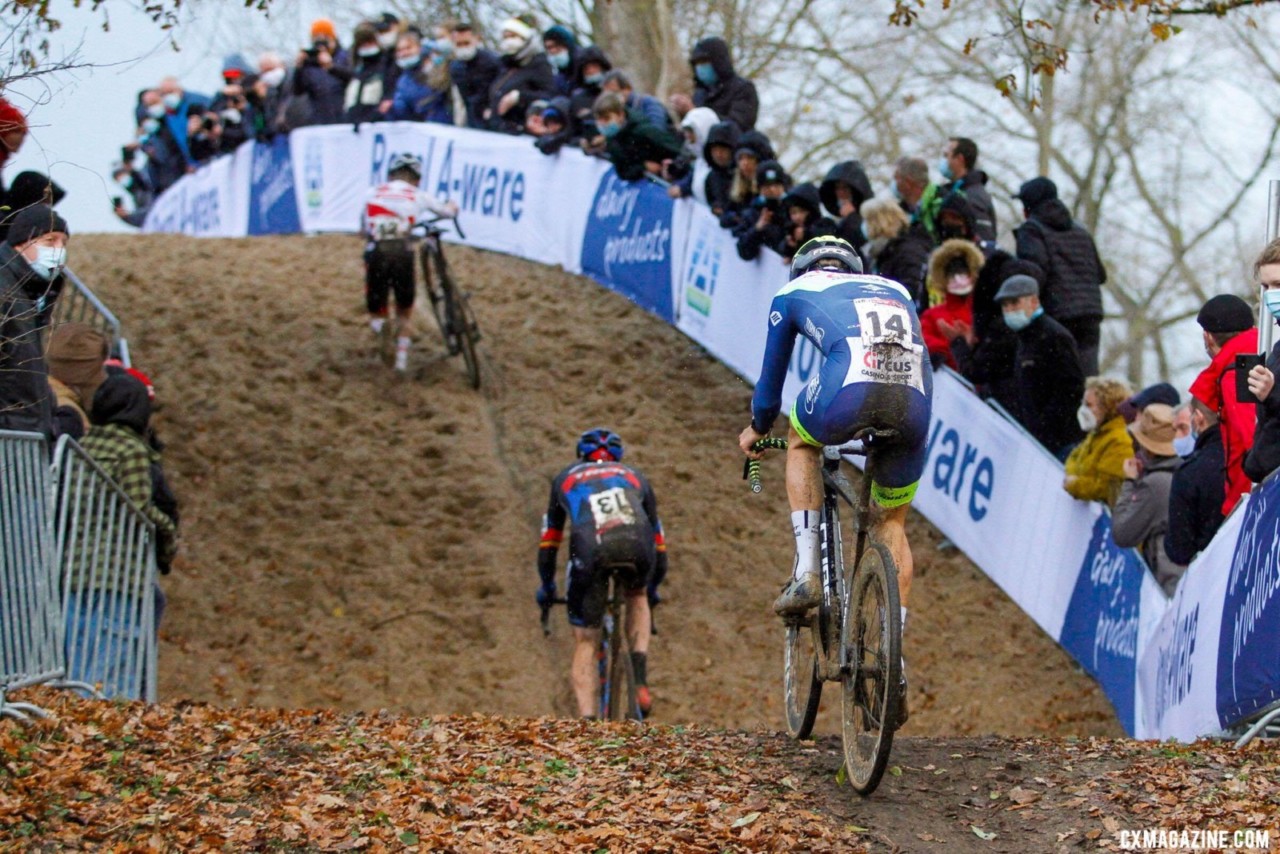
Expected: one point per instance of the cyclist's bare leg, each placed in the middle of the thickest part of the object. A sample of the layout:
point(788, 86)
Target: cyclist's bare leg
point(582, 672)
point(639, 624)
point(804, 473)
point(890, 528)
point(404, 319)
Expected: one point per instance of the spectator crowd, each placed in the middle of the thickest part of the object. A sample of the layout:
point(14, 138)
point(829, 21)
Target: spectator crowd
point(1021, 323)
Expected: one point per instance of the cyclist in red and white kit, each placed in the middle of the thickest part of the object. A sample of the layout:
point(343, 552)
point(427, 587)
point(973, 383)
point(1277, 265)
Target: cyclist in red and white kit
point(392, 209)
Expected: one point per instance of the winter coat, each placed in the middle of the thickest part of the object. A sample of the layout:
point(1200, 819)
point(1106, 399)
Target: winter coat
point(637, 143)
point(26, 303)
point(324, 88)
point(373, 80)
point(75, 355)
point(1264, 457)
point(849, 172)
point(752, 240)
point(805, 196)
point(1195, 499)
point(528, 72)
point(974, 187)
point(651, 108)
point(566, 79)
point(1141, 517)
point(417, 100)
point(1074, 274)
point(904, 259)
point(474, 78)
point(733, 98)
point(1049, 383)
point(583, 95)
point(1216, 389)
point(720, 180)
point(1097, 463)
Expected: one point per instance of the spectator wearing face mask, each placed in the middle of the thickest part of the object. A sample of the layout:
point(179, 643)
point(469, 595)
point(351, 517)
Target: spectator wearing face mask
point(634, 146)
point(1047, 378)
point(526, 77)
point(473, 70)
point(179, 105)
point(320, 78)
point(557, 126)
point(894, 249)
point(1140, 517)
point(717, 86)
point(844, 190)
point(1195, 495)
point(136, 184)
point(958, 170)
point(753, 148)
point(423, 92)
point(722, 141)
point(648, 106)
point(239, 117)
point(374, 74)
point(562, 52)
point(953, 270)
point(766, 221)
point(1264, 456)
point(31, 262)
point(696, 128)
point(587, 87)
point(1183, 441)
point(267, 94)
point(1095, 468)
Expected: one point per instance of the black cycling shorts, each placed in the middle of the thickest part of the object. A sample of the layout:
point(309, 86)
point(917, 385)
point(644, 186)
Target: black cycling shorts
point(588, 591)
point(388, 269)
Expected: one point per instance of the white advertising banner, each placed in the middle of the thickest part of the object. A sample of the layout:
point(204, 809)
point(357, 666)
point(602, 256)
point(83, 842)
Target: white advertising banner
point(512, 198)
point(213, 201)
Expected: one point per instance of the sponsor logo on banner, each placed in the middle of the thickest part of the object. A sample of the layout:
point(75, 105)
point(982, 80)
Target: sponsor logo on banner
point(188, 210)
point(701, 272)
point(313, 173)
point(273, 205)
point(1174, 672)
point(1248, 651)
point(627, 244)
point(1101, 626)
point(959, 470)
point(458, 174)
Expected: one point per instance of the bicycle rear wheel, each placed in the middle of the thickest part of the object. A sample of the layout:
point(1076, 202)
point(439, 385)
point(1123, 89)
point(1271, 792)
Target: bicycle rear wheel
point(872, 642)
point(623, 704)
point(801, 685)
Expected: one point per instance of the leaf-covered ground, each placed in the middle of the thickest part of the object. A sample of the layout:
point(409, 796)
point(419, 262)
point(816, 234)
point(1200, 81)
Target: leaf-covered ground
point(126, 777)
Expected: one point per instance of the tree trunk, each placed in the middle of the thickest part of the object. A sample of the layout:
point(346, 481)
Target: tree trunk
point(639, 37)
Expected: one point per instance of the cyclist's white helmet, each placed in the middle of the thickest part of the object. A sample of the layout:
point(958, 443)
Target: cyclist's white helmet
point(406, 161)
point(826, 251)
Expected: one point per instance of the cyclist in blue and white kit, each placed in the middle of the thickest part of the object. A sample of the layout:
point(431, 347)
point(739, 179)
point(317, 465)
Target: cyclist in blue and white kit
point(875, 373)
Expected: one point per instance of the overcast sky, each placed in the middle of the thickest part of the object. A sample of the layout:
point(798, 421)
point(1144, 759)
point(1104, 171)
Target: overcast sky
point(79, 119)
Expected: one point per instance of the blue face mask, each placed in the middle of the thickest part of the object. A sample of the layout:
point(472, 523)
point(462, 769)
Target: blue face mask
point(706, 74)
point(407, 62)
point(944, 167)
point(862, 227)
point(1017, 320)
point(1271, 299)
point(559, 60)
point(610, 129)
point(1184, 445)
point(593, 79)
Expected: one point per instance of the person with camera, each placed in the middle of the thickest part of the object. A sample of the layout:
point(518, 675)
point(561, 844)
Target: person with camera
point(239, 119)
point(204, 135)
point(634, 146)
point(321, 76)
point(1264, 457)
point(766, 221)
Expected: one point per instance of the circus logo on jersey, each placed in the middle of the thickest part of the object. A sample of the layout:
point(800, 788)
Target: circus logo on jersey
point(627, 244)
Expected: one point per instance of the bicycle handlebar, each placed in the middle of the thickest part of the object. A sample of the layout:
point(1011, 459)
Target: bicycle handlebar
point(751, 471)
point(425, 228)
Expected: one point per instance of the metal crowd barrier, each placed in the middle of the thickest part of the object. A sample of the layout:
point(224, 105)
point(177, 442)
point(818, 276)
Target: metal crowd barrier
point(81, 305)
point(30, 616)
point(107, 550)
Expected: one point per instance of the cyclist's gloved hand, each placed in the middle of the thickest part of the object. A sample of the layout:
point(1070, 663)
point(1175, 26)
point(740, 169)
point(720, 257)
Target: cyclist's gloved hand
point(654, 598)
point(546, 595)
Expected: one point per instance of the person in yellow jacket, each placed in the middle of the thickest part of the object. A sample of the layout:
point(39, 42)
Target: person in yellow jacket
point(1095, 468)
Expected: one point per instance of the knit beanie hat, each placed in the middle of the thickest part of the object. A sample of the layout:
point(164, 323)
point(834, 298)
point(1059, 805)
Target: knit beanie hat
point(35, 221)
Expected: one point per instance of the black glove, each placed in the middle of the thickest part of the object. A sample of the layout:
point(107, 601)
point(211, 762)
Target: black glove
point(654, 598)
point(546, 595)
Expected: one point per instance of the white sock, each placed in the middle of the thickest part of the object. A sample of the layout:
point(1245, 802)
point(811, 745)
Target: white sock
point(804, 524)
point(376, 324)
point(904, 619)
point(402, 344)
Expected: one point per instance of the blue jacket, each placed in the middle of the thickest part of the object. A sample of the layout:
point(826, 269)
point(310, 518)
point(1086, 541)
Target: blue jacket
point(415, 100)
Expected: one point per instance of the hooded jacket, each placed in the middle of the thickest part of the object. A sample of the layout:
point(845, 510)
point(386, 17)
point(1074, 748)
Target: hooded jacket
point(805, 196)
point(733, 98)
point(1141, 517)
point(1195, 499)
point(1264, 457)
point(528, 72)
point(26, 303)
point(1097, 463)
point(1215, 387)
point(584, 94)
point(720, 180)
point(949, 307)
point(848, 172)
point(1074, 274)
point(565, 78)
point(75, 355)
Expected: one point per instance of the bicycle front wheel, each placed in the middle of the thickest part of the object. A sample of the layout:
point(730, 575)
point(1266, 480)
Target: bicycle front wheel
point(801, 685)
point(467, 332)
point(432, 283)
point(872, 646)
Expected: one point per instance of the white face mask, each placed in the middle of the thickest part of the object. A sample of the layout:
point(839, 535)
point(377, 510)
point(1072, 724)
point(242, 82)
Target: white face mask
point(371, 50)
point(960, 284)
point(388, 40)
point(49, 261)
point(156, 111)
point(1088, 421)
point(171, 100)
point(273, 78)
point(511, 45)
point(466, 54)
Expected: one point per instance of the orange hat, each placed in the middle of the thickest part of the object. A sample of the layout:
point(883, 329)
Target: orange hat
point(323, 27)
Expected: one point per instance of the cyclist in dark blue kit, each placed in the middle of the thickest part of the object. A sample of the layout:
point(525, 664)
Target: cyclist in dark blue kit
point(875, 373)
point(615, 524)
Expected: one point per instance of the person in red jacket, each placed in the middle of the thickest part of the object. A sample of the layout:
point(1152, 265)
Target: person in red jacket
point(953, 270)
point(1228, 327)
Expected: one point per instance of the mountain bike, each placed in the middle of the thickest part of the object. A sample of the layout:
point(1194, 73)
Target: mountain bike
point(854, 636)
point(618, 700)
point(450, 305)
